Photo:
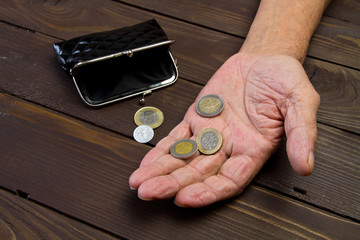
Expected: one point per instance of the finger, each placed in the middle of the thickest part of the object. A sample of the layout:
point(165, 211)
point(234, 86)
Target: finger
point(234, 175)
point(167, 186)
point(163, 165)
point(301, 132)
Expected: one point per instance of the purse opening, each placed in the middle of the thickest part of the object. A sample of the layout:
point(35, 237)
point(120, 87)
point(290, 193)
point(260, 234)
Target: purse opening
point(124, 75)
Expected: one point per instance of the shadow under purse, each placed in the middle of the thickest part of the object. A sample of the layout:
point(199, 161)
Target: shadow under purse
point(114, 65)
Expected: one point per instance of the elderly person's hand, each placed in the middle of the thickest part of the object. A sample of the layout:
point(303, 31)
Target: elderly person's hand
point(266, 95)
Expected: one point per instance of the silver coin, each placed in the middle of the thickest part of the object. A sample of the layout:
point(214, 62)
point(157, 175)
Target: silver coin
point(184, 148)
point(209, 141)
point(209, 105)
point(143, 134)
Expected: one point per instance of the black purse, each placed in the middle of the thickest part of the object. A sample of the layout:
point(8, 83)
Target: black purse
point(114, 65)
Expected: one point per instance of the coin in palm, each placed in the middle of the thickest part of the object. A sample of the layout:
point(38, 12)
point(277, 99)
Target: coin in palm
point(209, 141)
point(209, 105)
point(184, 148)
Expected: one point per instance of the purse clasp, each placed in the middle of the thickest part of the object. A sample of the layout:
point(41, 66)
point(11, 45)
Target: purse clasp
point(129, 53)
point(142, 100)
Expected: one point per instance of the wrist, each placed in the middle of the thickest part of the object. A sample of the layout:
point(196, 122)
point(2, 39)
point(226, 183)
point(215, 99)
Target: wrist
point(284, 27)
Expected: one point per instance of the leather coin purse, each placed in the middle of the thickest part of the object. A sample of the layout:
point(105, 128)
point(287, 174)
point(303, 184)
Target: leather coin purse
point(114, 65)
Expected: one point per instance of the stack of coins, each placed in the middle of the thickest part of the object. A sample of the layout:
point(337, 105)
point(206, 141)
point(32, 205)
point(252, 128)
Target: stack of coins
point(209, 140)
point(147, 119)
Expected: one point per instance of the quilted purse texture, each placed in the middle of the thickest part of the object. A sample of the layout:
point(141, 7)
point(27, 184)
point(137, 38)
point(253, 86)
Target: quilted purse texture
point(117, 64)
point(95, 45)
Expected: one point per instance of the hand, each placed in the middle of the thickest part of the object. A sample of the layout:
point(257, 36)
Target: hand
point(264, 97)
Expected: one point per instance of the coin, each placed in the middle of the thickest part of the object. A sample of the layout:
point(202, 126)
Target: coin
point(184, 148)
point(209, 105)
point(143, 134)
point(209, 141)
point(150, 116)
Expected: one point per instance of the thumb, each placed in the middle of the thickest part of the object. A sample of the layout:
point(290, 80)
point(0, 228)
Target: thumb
point(301, 130)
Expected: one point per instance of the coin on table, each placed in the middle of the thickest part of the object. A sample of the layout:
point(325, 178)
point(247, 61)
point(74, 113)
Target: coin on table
point(143, 134)
point(150, 116)
point(209, 141)
point(184, 148)
point(209, 105)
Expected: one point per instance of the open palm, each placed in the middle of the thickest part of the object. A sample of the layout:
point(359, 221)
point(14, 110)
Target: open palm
point(264, 97)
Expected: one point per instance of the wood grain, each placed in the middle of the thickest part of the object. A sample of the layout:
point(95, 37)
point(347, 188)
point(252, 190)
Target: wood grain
point(22, 219)
point(82, 170)
point(339, 91)
point(335, 40)
point(345, 10)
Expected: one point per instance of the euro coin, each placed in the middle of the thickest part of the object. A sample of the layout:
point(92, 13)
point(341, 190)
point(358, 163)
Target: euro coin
point(209, 105)
point(209, 141)
point(150, 116)
point(184, 148)
point(143, 134)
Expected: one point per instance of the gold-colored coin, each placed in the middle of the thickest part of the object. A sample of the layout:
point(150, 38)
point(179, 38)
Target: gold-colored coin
point(209, 141)
point(184, 148)
point(150, 116)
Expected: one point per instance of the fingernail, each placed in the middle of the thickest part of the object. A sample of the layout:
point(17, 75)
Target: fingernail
point(133, 188)
point(145, 199)
point(179, 205)
point(310, 162)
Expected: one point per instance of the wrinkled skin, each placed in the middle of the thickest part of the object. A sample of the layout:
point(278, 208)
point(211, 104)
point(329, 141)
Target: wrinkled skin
point(265, 97)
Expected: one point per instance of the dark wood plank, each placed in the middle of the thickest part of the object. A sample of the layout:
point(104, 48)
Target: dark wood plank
point(335, 40)
point(339, 90)
point(230, 16)
point(82, 170)
point(344, 10)
point(22, 219)
point(41, 80)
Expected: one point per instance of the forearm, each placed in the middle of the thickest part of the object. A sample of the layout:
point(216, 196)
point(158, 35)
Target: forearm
point(284, 27)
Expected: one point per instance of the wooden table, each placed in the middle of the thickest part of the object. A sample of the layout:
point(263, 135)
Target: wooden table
point(64, 167)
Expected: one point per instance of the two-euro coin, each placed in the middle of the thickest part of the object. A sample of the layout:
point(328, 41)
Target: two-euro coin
point(209, 105)
point(150, 116)
point(184, 148)
point(209, 141)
